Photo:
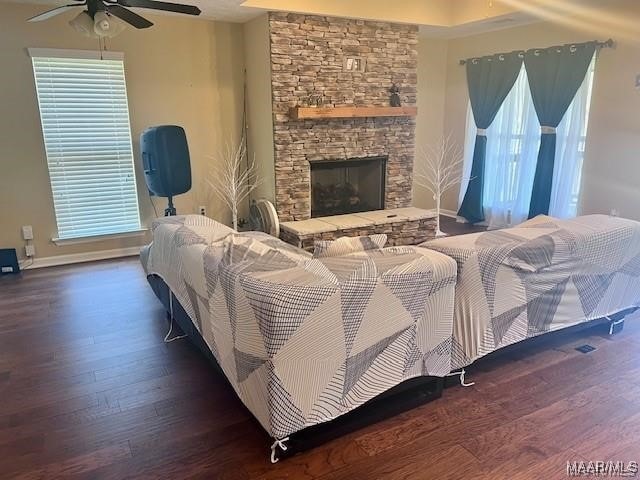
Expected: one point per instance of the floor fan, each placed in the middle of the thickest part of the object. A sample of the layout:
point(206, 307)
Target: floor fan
point(264, 218)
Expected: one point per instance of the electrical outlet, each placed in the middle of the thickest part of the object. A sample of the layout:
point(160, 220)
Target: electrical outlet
point(27, 232)
point(615, 212)
point(202, 210)
point(30, 250)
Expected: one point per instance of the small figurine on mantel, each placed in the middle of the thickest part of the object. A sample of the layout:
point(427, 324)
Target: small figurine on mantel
point(394, 99)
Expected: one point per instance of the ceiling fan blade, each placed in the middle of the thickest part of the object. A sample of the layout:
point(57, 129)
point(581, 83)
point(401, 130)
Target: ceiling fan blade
point(166, 6)
point(52, 13)
point(128, 16)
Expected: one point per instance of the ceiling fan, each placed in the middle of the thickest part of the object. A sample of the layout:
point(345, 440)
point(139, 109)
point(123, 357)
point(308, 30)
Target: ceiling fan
point(94, 21)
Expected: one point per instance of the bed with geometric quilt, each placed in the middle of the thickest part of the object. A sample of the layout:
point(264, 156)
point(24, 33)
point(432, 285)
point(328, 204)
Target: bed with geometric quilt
point(304, 340)
point(543, 275)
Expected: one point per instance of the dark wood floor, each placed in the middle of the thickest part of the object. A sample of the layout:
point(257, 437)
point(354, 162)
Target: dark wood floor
point(89, 390)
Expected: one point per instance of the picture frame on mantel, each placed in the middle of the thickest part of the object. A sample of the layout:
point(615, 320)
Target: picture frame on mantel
point(354, 64)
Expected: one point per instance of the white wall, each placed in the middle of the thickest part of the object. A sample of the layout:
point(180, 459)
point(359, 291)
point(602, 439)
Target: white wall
point(259, 104)
point(432, 77)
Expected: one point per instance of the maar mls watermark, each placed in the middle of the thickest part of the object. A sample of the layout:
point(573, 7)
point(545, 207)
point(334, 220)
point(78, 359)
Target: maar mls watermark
point(602, 469)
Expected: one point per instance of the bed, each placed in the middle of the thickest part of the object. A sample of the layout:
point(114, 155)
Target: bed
point(544, 275)
point(305, 340)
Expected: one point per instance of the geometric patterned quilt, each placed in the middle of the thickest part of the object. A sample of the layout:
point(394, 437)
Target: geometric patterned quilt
point(543, 275)
point(304, 340)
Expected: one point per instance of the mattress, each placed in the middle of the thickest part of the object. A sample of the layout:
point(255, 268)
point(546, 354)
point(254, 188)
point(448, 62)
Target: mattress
point(543, 275)
point(304, 340)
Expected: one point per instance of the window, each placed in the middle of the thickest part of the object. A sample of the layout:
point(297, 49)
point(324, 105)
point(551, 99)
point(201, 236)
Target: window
point(87, 137)
point(513, 140)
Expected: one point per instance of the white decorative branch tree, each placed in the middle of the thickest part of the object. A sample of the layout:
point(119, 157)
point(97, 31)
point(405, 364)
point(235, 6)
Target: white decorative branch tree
point(439, 170)
point(233, 178)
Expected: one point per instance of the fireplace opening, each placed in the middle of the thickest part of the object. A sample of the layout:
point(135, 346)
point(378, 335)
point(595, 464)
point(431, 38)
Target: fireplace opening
point(347, 186)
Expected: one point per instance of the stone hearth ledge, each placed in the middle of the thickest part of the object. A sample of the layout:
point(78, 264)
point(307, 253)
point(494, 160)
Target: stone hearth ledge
point(403, 226)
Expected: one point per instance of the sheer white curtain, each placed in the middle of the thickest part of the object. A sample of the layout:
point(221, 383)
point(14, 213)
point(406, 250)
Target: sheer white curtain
point(513, 140)
point(572, 135)
point(512, 148)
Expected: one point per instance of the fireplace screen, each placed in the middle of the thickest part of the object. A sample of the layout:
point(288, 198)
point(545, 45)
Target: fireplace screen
point(349, 186)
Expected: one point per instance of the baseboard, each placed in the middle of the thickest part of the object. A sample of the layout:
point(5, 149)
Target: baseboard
point(82, 257)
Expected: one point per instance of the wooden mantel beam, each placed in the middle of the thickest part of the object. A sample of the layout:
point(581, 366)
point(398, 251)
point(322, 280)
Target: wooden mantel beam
point(306, 113)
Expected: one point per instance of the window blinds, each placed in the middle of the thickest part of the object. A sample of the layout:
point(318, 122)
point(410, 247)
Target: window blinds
point(87, 137)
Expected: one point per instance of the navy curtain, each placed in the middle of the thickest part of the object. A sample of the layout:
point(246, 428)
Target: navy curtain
point(490, 80)
point(554, 74)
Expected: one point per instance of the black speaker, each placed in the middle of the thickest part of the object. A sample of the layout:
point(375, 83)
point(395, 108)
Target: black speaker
point(165, 159)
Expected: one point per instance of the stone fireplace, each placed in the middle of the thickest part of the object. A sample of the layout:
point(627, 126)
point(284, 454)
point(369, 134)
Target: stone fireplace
point(348, 186)
point(308, 59)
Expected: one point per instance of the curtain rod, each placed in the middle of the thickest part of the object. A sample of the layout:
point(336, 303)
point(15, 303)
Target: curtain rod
point(605, 44)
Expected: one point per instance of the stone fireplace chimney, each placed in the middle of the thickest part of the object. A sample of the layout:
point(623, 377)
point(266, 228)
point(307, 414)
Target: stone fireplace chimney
point(336, 62)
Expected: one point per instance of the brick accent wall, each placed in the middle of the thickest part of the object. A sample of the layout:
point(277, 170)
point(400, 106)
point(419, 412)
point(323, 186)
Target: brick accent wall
point(307, 57)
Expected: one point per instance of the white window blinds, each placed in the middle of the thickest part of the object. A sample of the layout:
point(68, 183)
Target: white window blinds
point(87, 137)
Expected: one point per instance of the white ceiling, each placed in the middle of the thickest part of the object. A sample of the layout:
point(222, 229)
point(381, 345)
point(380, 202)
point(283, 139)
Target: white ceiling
point(592, 13)
point(221, 10)
point(233, 11)
point(492, 24)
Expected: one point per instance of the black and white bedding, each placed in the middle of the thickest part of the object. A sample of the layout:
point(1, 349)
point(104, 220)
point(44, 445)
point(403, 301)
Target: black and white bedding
point(304, 340)
point(543, 275)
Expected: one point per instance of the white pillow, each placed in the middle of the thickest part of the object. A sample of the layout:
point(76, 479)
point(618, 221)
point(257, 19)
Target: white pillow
point(346, 245)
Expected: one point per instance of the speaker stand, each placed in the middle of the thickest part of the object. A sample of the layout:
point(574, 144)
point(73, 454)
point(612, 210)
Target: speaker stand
point(170, 211)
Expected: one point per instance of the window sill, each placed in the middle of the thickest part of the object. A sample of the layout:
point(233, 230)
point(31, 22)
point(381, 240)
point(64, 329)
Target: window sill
point(99, 238)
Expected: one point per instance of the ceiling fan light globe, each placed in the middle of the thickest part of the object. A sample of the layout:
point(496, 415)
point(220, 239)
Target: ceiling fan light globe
point(116, 27)
point(102, 24)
